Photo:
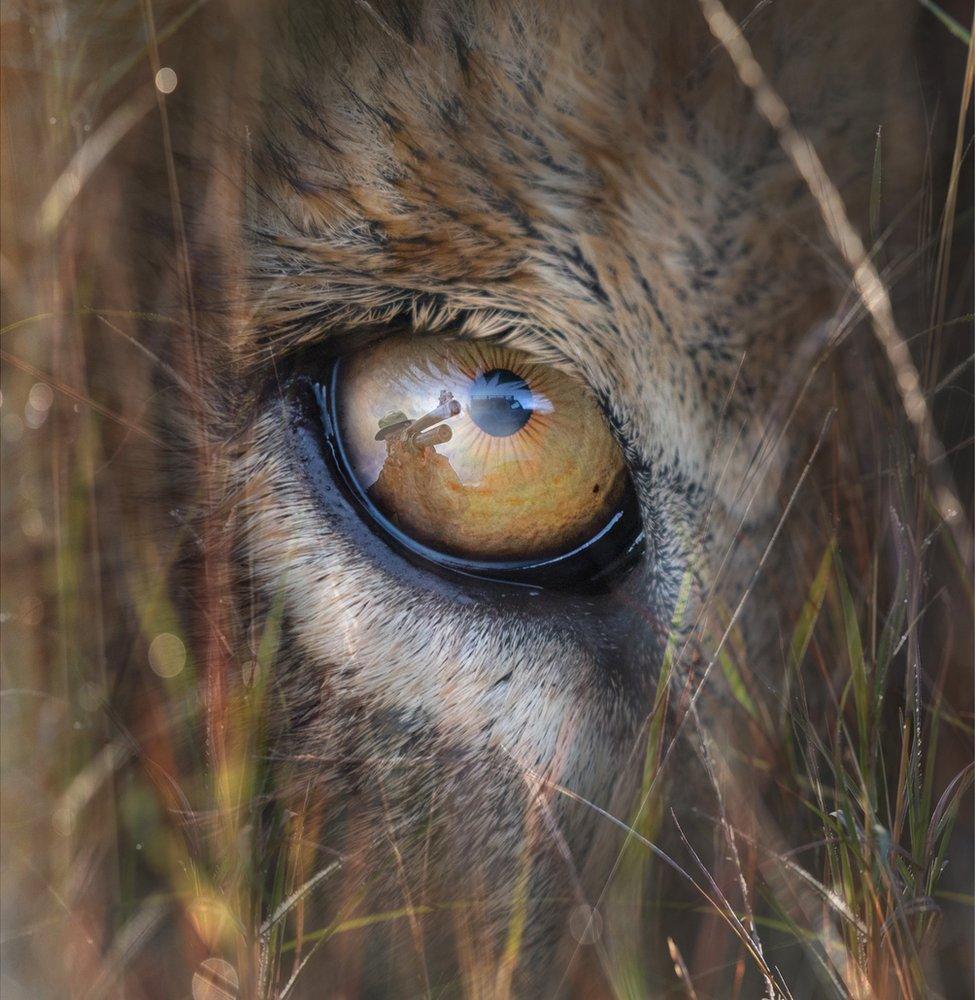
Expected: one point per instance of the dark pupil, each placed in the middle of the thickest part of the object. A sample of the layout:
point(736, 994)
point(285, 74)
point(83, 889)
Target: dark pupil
point(500, 402)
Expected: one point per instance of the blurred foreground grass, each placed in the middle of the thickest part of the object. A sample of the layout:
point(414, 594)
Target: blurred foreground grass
point(141, 853)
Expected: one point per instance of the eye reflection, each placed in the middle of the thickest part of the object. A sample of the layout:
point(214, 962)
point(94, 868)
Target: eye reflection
point(500, 402)
point(475, 450)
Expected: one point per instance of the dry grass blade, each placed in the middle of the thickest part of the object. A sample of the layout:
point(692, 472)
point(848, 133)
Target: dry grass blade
point(866, 279)
point(681, 970)
point(326, 790)
point(290, 902)
point(86, 161)
point(80, 397)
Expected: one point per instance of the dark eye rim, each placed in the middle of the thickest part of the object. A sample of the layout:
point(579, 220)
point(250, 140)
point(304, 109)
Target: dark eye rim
point(596, 565)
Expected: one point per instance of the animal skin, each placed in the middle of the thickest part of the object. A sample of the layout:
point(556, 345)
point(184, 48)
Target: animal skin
point(589, 182)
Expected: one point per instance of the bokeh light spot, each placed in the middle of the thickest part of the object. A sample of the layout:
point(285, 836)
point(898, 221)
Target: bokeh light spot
point(166, 80)
point(13, 428)
point(32, 523)
point(215, 980)
point(167, 654)
point(586, 924)
point(40, 397)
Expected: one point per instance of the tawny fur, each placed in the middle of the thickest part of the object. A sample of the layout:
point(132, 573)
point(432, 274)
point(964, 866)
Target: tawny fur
point(590, 183)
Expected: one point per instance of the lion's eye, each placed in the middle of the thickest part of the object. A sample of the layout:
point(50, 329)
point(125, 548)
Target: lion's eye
point(475, 453)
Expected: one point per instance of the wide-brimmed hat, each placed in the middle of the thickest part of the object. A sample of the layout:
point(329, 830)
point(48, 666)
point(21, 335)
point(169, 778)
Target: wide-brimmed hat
point(392, 423)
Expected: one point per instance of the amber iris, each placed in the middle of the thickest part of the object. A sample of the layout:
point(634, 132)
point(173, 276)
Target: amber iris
point(477, 450)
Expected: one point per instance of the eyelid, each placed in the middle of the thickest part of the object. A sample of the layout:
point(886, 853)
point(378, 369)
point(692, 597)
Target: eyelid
point(339, 342)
